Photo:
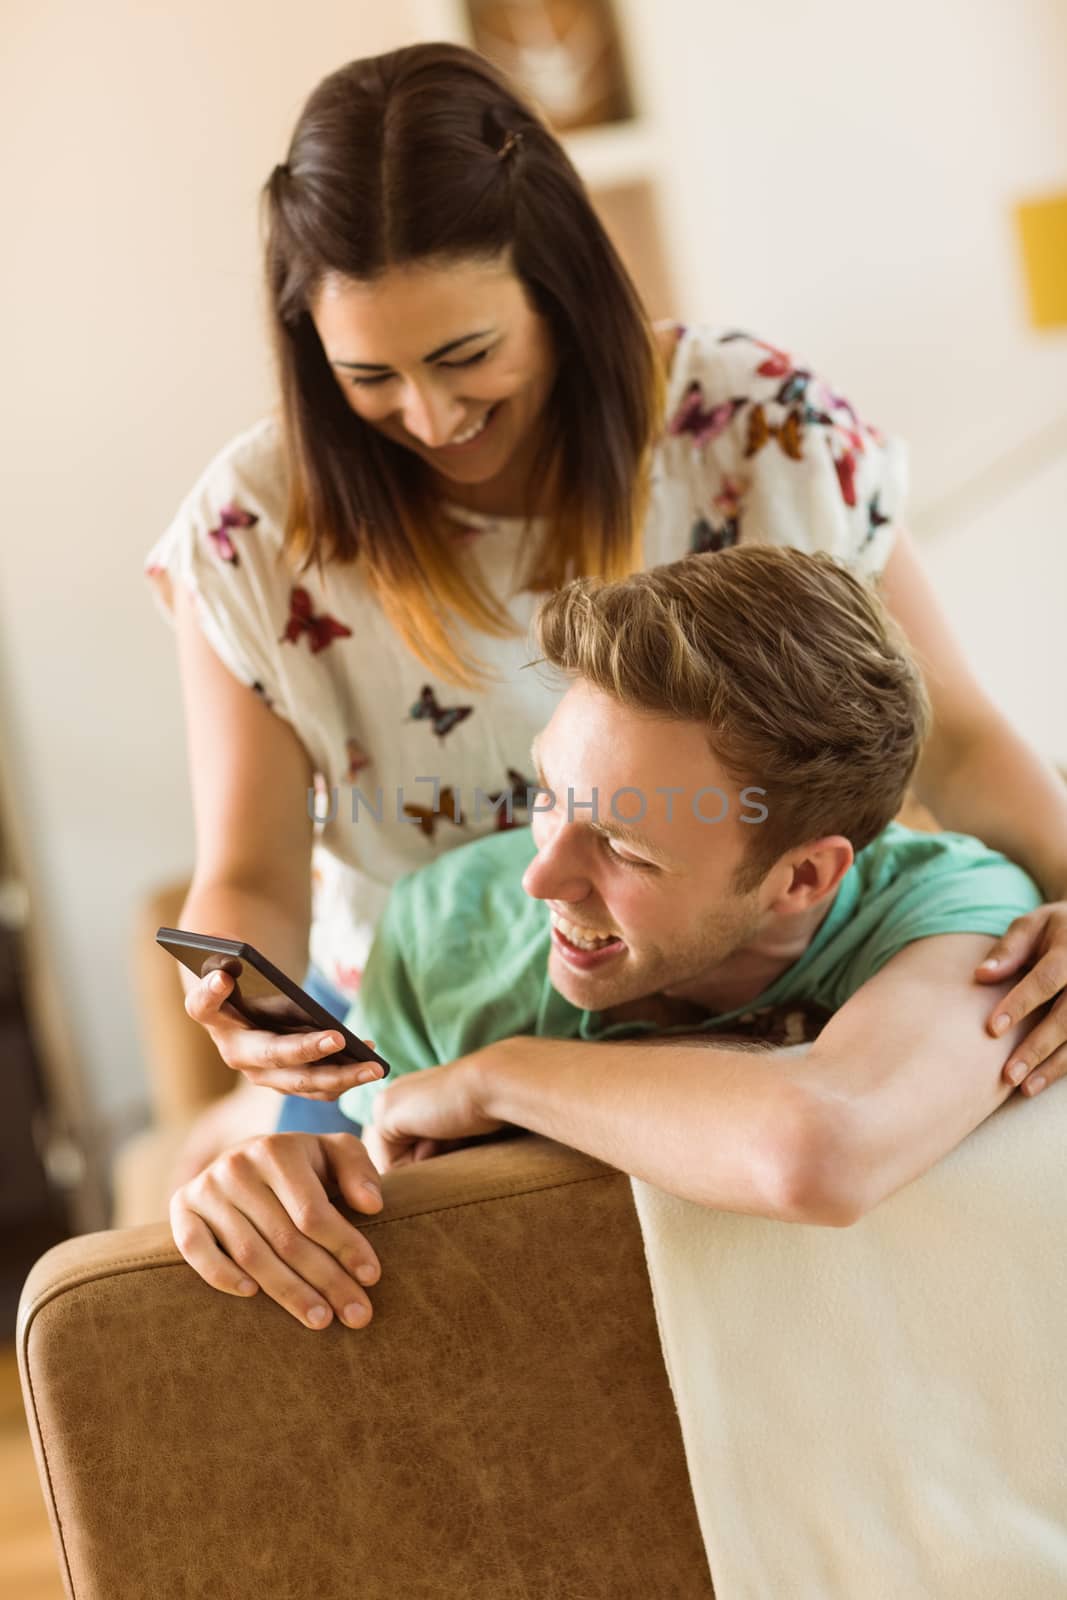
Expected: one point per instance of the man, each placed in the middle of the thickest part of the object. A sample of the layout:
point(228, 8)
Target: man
point(713, 843)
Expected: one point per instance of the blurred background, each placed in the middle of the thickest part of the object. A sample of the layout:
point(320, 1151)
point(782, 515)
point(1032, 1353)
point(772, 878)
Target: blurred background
point(879, 190)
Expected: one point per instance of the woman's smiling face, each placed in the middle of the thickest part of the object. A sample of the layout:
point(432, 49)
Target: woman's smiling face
point(426, 354)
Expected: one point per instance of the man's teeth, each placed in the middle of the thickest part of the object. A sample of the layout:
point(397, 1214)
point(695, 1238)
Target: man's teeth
point(584, 938)
point(471, 433)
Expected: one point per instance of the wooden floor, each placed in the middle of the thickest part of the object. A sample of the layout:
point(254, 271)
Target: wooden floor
point(28, 1566)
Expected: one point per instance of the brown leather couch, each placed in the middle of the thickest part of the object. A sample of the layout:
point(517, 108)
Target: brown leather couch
point(503, 1429)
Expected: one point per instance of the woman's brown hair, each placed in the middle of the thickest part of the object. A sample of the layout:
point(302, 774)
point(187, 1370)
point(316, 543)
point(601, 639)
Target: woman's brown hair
point(396, 159)
point(805, 685)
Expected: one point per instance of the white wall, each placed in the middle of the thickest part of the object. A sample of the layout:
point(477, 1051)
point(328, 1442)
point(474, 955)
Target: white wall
point(1003, 575)
point(844, 177)
point(842, 183)
point(839, 184)
point(134, 138)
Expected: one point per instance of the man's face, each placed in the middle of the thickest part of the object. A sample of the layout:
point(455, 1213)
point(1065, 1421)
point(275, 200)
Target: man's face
point(667, 896)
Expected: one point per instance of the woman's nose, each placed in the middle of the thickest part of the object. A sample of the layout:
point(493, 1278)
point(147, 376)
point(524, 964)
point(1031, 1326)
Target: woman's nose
point(431, 418)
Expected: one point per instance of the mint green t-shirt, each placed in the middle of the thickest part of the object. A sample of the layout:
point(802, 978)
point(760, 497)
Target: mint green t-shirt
point(460, 956)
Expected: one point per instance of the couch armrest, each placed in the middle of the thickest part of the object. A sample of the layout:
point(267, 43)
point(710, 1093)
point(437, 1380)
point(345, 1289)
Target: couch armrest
point(503, 1429)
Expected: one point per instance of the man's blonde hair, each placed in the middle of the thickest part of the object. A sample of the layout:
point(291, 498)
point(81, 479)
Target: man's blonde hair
point(804, 683)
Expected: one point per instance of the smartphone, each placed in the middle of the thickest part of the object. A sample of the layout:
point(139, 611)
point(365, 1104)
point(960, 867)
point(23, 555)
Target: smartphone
point(262, 995)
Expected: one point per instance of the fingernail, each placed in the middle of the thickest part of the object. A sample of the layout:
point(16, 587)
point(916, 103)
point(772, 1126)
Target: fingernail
point(246, 1286)
point(356, 1312)
point(368, 1075)
point(318, 1315)
point(366, 1273)
point(993, 961)
point(218, 983)
point(1036, 1085)
point(1016, 1071)
point(328, 1042)
point(1001, 1022)
point(372, 1189)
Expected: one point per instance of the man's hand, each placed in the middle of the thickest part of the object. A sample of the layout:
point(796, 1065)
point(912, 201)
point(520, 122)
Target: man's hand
point(427, 1113)
point(259, 1215)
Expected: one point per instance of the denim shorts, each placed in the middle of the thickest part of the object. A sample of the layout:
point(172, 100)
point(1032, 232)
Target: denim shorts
point(317, 1116)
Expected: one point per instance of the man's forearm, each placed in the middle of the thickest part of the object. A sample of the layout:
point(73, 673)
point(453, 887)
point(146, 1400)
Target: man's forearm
point(734, 1129)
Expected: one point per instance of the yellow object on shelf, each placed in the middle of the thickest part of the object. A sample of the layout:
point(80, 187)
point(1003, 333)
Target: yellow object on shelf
point(1043, 232)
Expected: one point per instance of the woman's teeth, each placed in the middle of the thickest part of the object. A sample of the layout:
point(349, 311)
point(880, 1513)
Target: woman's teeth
point(583, 938)
point(471, 433)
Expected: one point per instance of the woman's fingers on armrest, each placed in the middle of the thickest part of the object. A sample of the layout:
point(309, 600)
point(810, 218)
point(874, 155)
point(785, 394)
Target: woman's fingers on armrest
point(260, 1212)
point(354, 1169)
point(1017, 944)
point(1041, 1057)
point(1038, 997)
point(197, 1244)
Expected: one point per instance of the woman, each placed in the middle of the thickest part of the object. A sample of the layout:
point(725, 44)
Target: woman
point(475, 407)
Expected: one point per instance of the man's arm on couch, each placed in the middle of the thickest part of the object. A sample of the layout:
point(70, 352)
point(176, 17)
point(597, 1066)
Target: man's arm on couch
point(897, 1078)
point(909, 1059)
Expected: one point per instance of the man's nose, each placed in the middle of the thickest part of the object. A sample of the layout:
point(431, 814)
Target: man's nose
point(431, 417)
point(556, 871)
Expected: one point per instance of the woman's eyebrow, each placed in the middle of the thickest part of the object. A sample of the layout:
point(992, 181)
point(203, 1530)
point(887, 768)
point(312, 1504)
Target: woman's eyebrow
point(434, 355)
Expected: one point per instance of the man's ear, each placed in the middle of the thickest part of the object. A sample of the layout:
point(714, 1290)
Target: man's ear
point(813, 872)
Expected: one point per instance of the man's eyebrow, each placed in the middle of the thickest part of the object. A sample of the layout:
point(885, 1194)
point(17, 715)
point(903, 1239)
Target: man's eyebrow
point(434, 355)
point(613, 829)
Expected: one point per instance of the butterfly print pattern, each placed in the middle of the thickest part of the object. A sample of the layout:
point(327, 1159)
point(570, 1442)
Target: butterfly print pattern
point(728, 500)
point(428, 819)
point(725, 529)
point(701, 422)
point(794, 389)
point(776, 363)
point(807, 401)
point(875, 518)
point(444, 718)
point(358, 759)
point(790, 435)
point(704, 537)
point(230, 517)
point(320, 630)
point(519, 790)
point(347, 979)
point(845, 467)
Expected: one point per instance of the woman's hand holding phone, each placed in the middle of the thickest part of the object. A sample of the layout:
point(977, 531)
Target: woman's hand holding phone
point(259, 1216)
point(283, 1061)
